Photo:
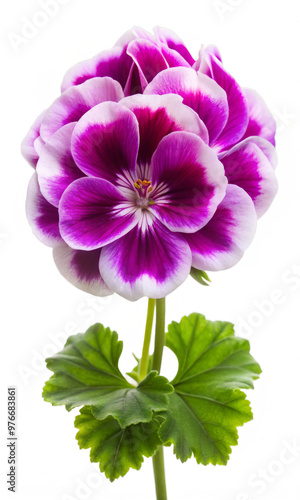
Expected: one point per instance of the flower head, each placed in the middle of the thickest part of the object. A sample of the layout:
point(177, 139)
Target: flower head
point(147, 164)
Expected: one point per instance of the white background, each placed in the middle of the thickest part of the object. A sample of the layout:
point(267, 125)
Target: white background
point(259, 42)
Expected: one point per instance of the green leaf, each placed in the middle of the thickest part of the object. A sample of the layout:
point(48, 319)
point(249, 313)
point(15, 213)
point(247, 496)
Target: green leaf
point(207, 405)
point(200, 276)
point(131, 406)
point(86, 369)
point(86, 373)
point(116, 449)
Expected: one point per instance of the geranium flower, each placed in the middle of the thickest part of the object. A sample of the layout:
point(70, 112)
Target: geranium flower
point(131, 191)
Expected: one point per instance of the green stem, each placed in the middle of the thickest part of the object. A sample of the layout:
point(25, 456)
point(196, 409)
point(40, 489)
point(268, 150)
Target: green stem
point(159, 333)
point(143, 370)
point(159, 474)
point(158, 458)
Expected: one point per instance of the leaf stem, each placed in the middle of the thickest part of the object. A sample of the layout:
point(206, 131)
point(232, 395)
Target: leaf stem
point(158, 458)
point(143, 369)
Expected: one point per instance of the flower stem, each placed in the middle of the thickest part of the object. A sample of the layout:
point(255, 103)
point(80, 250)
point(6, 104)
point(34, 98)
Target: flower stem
point(158, 458)
point(159, 334)
point(159, 474)
point(143, 370)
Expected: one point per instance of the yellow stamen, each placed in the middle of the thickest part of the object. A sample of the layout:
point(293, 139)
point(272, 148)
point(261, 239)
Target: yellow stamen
point(137, 185)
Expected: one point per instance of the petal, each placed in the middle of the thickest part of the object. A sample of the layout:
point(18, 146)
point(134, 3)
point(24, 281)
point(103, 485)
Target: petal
point(199, 92)
point(157, 117)
point(173, 42)
point(56, 167)
point(113, 62)
point(81, 268)
point(42, 216)
point(188, 181)
point(173, 58)
point(238, 111)
point(265, 146)
point(76, 101)
point(248, 167)
point(93, 213)
point(201, 63)
point(148, 261)
point(261, 122)
point(105, 142)
point(222, 242)
point(28, 146)
point(148, 59)
point(133, 85)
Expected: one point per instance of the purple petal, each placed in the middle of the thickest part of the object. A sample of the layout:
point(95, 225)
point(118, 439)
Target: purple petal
point(142, 34)
point(248, 167)
point(56, 167)
point(202, 64)
point(199, 92)
point(93, 213)
point(31, 144)
point(173, 58)
point(133, 85)
point(238, 111)
point(222, 242)
point(148, 261)
point(261, 122)
point(76, 101)
point(113, 62)
point(173, 42)
point(105, 142)
point(81, 268)
point(265, 146)
point(42, 216)
point(126, 38)
point(157, 117)
point(188, 181)
point(148, 59)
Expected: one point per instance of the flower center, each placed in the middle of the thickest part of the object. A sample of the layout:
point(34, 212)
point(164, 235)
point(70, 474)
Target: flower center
point(143, 189)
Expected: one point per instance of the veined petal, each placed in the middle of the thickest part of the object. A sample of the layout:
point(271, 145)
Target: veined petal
point(199, 92)
point(42, 216)
point(56, 167)
point(105, 142)
point(76, 101)
point(28, 147)
point(157, 117)
point(93, 213)
point(222, 242)
point(173, 42)
point(148, 261)
point(261, 122)
point(188, 181)
point(148, 59)
point(238, 112)
point(248, 167)
point(265, 146)
point(81, 268)
point(113, 62)
point(173, 58)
